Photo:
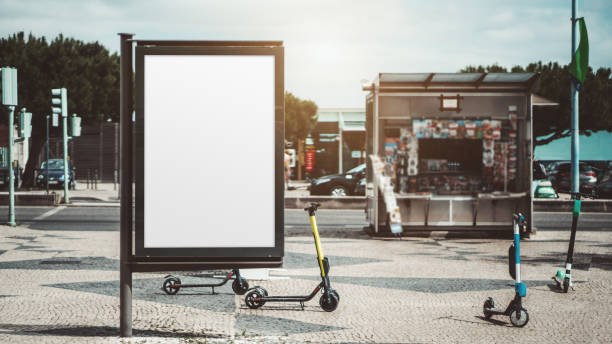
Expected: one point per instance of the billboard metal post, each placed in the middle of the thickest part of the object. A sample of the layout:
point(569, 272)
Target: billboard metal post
point(125, 249)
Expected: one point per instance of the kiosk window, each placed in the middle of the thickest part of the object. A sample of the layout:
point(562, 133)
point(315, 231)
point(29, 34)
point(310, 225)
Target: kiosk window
point(464, 154)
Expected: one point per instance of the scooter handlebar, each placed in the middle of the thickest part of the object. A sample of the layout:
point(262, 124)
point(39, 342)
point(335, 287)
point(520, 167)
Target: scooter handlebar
point(312, 208)
point(520, 218)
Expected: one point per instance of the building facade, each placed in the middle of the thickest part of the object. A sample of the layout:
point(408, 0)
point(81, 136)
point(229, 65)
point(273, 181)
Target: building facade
point(339, 140)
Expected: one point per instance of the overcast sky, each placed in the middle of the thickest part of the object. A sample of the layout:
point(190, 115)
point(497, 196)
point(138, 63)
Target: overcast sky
point(331, 45)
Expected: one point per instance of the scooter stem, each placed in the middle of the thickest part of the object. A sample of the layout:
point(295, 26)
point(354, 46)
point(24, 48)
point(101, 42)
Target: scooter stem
point(315, 233)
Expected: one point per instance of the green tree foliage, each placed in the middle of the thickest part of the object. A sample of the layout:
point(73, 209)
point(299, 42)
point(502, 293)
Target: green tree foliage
point(551, 123)
point(87, 70)
point(494, 68)
point(300, 117)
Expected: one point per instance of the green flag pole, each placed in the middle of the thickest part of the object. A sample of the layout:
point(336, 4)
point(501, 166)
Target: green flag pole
point(578, 70)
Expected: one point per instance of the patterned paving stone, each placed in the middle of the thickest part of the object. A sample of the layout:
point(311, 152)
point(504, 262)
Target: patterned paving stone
point(59, 288)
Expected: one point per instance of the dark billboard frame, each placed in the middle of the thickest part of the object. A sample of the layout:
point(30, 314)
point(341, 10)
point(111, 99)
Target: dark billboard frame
point(213, 254)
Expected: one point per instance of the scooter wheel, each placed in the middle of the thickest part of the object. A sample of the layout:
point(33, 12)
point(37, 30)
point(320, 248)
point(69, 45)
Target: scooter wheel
point(240, 286)
point(486, 308)
point(333, 291)
point(171, 285)
point(262, 290)
point(329, 301)
point(566, 285)
point(524, 317)
point(253, 298)
point(172, 276)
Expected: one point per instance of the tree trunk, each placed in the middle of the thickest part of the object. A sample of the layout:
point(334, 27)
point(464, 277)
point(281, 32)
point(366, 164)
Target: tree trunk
point(36, 145)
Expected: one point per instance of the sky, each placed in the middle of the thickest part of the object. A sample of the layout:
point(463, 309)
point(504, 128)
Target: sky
point(331, 46)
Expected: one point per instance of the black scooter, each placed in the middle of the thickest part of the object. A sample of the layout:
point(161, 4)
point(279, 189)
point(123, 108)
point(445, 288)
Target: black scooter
point(172, 284)
point(258, 296)
point(564, 280)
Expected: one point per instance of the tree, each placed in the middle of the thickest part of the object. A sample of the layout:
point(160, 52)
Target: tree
point(551, 123)
point(87, 70)
point(300, 117)
point(494, 68)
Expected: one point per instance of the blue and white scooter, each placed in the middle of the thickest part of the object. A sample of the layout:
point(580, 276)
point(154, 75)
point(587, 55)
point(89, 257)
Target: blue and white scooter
point(518, 315)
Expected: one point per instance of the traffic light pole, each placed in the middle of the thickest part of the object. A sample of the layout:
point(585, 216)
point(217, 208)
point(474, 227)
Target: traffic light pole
point(11, 171)
point(47, 155)
point(66, 180)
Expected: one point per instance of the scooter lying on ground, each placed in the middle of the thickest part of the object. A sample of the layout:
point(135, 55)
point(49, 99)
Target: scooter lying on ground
point(518, 315)
point(258, 296)
point(561, 278)
point(172, 284)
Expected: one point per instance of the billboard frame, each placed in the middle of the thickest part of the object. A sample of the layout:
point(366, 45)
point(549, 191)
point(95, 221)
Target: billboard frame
point(213, 254)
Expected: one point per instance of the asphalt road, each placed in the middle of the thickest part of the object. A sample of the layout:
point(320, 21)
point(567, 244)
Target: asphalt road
point(107, 219)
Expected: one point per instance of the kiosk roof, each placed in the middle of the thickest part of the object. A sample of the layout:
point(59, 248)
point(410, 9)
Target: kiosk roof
point(466, 81)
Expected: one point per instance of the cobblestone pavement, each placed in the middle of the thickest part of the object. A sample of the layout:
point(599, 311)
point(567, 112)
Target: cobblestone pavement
point(62, 287)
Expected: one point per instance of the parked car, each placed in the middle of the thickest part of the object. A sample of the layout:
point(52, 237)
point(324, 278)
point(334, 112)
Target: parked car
point(604, 189)
point(541, 187)
point(560, 177)
point(345, 184)
point(4, 177)
point(55, 174)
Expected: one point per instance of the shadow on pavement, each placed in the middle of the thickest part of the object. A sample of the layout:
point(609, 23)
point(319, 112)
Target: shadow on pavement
point(294, 260)
point(96, 331)
point(64, 263)
point(149, 289)
point(265, 325)
point(428, 285)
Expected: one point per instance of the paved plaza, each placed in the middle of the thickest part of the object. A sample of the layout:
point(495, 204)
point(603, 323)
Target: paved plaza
point(62, 286)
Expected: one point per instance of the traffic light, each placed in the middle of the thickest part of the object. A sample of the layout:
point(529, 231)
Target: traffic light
point(75, 126)
point(59, 101)
point(25, 124)
point(9, 86)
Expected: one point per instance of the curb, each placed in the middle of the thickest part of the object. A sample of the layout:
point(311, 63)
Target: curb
point(327, 202)
point(588, 205)
point(357, 202)
point(32, 199)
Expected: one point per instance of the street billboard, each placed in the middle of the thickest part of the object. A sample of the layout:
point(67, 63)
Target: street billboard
point(209, 152)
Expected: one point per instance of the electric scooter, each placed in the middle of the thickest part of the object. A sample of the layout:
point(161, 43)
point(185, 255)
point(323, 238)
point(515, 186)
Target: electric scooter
point(518, 315)
point(258, 296)
point(172, 284)
point(561, 278)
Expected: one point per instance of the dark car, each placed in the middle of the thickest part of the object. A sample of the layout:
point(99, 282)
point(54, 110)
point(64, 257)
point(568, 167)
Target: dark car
point(560, 177)
point(55, 174)
point(346, 184)
point(604, 189)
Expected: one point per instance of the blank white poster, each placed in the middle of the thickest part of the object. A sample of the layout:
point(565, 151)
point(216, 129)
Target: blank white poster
point(209, 151)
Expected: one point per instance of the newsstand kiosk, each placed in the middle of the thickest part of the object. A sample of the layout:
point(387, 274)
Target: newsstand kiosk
point(449, 151)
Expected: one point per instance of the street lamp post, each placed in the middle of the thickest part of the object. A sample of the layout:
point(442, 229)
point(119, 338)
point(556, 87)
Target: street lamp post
point(11, 171)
